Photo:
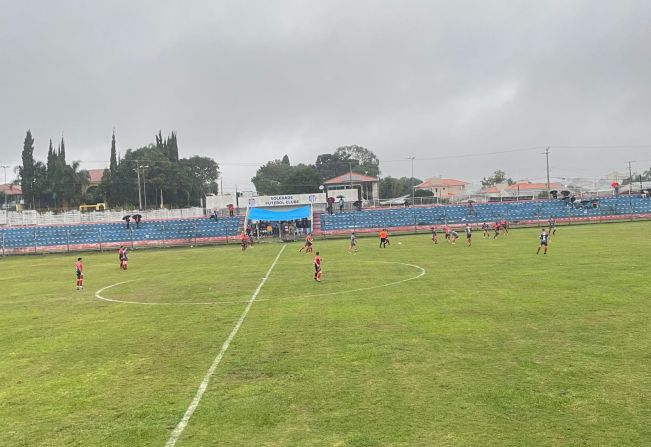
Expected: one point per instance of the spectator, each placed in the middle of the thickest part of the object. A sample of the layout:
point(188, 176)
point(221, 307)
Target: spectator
point(341, 204)
point(331, 201)
point(230, 209)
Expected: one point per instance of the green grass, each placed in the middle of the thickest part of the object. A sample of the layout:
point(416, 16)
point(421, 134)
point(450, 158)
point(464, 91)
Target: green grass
point(492, 346)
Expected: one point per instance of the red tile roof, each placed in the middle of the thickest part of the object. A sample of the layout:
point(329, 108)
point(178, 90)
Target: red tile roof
point(11, 190)
point(436, 182)
point(524, 186)
point(95, 176)
point(348, 177)
point(491, 190)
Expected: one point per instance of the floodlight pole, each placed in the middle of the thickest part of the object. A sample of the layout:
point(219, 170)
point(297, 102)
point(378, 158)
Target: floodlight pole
point(547, 157)
point(350, 175)
point(630, 185)
point(413, 191)
point(139, 195)
point(144, 185)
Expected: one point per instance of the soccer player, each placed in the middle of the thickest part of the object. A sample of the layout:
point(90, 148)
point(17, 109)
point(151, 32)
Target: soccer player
point(544, 238)
point(79, 268)
point(353, 242)
point(308, 244)
point(383, 239)
point(244, 240)
point(485, 227)
point(468, 235)
point(453, 237)
point(496, 227)
point(505, 226)
point(121, 256)
point(552, 226)
point(435, 236)
point(446, 229)
point(125, 259)
point(317, 267)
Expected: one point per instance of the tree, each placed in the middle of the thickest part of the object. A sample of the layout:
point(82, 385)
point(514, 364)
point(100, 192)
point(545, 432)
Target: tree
point(302, 179)
point(26, 170)
point(333, 165)
point(181, 182)
point(113, 164)
point(204, 172)
point(498, 177)
point(368, 163)
point(268, 179)
point(41, 185)
point(168, 147)
point(285, 160)
point(62, 151)
point(391, 187)
point(74, 182)
point(423, 193)
point(646, 176)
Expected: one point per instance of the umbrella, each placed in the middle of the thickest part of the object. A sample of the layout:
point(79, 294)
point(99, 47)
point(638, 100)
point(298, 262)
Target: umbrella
point(127, 217)
point(340, 197)
point(136, 216)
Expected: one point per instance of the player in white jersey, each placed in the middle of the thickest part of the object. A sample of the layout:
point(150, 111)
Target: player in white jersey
point(544, 240)
point(353, 242)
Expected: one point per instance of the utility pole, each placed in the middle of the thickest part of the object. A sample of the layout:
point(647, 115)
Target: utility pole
point(350, 174)
point(630, 185)
point(547, 157)
point(139, 195)
point(144, 185)
point(4, 204)
point(413, 195)
point(630, 177)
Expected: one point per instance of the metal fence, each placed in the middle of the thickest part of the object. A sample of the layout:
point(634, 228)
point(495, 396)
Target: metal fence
point(69, 239)
point(28, 217)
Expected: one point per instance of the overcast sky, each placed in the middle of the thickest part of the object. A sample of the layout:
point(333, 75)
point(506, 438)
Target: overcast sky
point(248, 81)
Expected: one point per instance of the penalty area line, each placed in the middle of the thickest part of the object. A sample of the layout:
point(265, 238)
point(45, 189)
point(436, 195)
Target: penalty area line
point(176, 433)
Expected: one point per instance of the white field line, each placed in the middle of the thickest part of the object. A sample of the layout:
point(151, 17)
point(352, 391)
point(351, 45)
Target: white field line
point(206, 380)
point(99, 296)
point(341, 292)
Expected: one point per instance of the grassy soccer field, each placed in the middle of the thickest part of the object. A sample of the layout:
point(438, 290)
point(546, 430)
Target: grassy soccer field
point(492, 345)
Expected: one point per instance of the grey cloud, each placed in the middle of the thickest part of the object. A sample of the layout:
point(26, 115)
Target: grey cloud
point(245, 82)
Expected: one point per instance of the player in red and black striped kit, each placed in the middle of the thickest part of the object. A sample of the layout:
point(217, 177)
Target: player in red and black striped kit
point(317, 267)
point(79, 268)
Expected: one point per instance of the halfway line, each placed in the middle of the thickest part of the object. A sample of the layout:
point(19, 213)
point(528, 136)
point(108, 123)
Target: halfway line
point(204, 384)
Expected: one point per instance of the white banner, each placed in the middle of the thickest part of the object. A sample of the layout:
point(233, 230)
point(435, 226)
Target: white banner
point(286, 199)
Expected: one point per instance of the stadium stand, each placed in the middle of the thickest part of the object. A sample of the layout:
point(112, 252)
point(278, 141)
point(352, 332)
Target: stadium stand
point(188, 231)
point(100, 235)
point(514, 212)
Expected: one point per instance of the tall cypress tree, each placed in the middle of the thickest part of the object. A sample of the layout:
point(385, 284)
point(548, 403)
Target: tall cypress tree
point(173, 148)
point(51, 172)
point(113, 166)
point(62, 152)
point(51, 159)
point(27, 170)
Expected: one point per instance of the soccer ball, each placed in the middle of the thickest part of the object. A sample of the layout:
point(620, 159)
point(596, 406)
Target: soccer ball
point(399, 243)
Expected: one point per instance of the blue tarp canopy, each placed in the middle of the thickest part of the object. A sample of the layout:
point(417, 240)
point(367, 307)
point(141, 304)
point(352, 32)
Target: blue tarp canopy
point(286, 215)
